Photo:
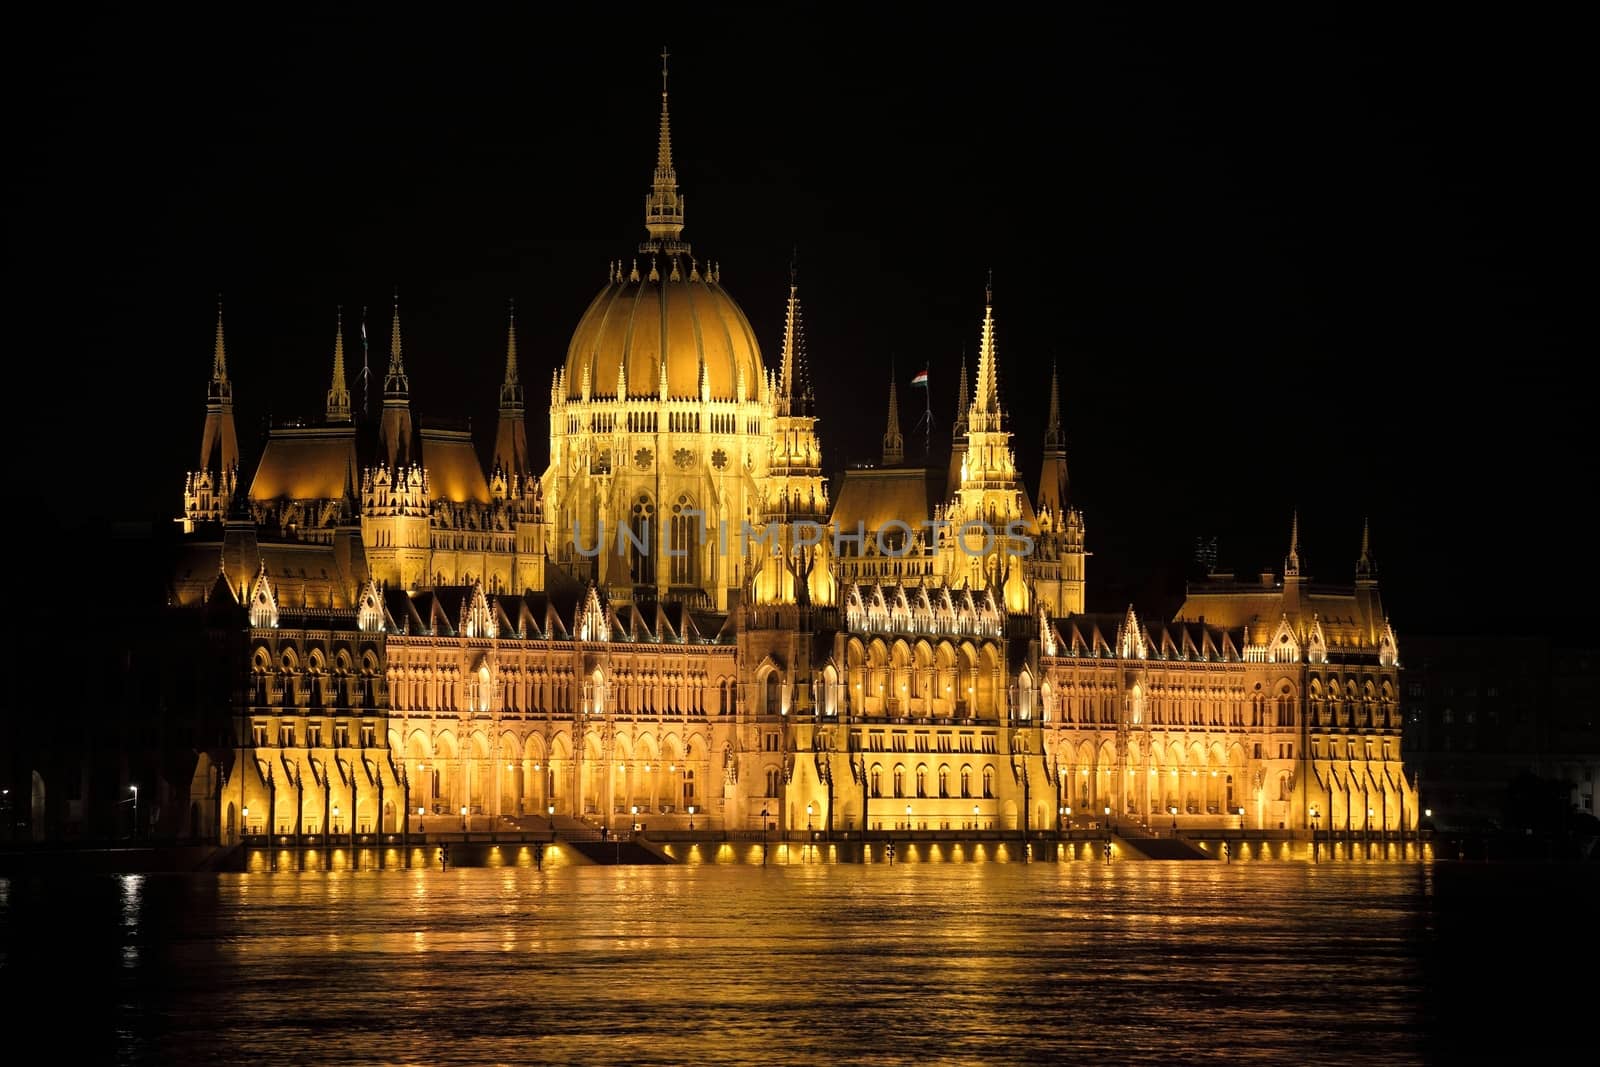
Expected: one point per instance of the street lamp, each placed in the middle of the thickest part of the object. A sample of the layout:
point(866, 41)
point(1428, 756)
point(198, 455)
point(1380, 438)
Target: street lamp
point(422, 827)
point(908, 816)
point(135, 810)
point(463, 818)
point(1315, 816)
point(551, 811)
point(635, 818)
point(691, 816)
point(336, 818)
point(808, 817)
point(1173, 811)
point(974, 816)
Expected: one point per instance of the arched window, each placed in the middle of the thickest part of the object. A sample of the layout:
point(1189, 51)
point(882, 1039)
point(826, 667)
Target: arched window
point(774, 700)
point(944, 782)
point(685, 538)
point(966, 782)
point(641, 561)
point(774, 778)
point(988, 783)
point(899, 780)
point(922, 781)
point(877, 780)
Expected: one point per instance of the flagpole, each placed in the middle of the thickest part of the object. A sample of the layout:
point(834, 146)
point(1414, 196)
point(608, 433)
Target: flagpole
point(926, 422)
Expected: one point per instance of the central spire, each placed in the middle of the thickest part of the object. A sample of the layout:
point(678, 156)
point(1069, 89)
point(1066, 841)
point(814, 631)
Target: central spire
point(985, 413)
point(663, 206)
point(794, 385)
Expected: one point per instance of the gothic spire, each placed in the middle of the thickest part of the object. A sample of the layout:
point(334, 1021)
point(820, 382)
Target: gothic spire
point(663, 206)
point(1291, 563)
point(794, 383)
point(511, 388)
point(219, 444)
point(986, 403)
point(395, 383)
point(893, 443)
point(338, 392)
point(220, 386)
point(396, 427)
point(963, 397)
point(1365, 567)
point(1052, 430)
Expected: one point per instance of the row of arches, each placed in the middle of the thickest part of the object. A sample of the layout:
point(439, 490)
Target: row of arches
point(508, 774)
point(929, 678)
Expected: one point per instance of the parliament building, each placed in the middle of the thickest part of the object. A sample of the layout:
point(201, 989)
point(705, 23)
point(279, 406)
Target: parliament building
point(679, 621)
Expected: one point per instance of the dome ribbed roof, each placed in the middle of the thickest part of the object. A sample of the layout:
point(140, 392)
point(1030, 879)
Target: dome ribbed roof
point(638, 323)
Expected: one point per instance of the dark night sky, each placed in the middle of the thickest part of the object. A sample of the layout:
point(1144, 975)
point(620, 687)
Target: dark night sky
point(1282, 259)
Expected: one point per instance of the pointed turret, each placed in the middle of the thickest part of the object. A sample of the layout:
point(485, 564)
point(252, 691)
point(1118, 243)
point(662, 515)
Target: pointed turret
point(985, 411)
point(1291, 562)
point(339, 391)
point(794, 380)
point(1365, 567)
point(1369, 605)
point(396, 430)
point(894, 445)
point(663, 206)
point(511, 438)
point(1053, 475)
point(219, 444)
point(958, 431)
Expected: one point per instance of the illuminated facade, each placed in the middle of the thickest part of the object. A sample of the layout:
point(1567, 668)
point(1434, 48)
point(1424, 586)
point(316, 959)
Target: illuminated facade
point(437, 646)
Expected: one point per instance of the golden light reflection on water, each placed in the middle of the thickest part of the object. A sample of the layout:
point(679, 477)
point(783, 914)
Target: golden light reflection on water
point(714, 961)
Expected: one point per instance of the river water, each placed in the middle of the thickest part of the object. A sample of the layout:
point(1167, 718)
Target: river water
point(1162, 963)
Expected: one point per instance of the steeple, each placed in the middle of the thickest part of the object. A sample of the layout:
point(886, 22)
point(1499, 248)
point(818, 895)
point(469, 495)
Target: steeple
point(511, 388)
point(663, 206)
point(958, 430)
point(1291, 562)
point(794, 383)
point(985, 411)
point(395, 434)
point(894, 445)
point(338, 392)
point(395, 382)
point(1365, 567)
point(1053, 475)
point(511, 437)
point(1052, 431)
point(220, 387)
point(219, 435)
point(963, 399)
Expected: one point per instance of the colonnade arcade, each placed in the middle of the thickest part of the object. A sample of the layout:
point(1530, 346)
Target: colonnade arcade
point(511, 773)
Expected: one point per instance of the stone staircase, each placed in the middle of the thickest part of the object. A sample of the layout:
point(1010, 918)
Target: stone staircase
point(1139, 843)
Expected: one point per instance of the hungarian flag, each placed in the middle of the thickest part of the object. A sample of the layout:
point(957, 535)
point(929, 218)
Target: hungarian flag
point(921, 379)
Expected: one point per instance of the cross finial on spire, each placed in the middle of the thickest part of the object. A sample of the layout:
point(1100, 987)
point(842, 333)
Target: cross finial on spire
point(988, 290)
point(664, 55)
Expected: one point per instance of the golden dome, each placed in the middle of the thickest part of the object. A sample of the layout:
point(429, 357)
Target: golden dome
point(635, 324)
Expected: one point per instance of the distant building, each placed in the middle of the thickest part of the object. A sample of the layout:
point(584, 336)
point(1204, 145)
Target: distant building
point(1482, 710)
